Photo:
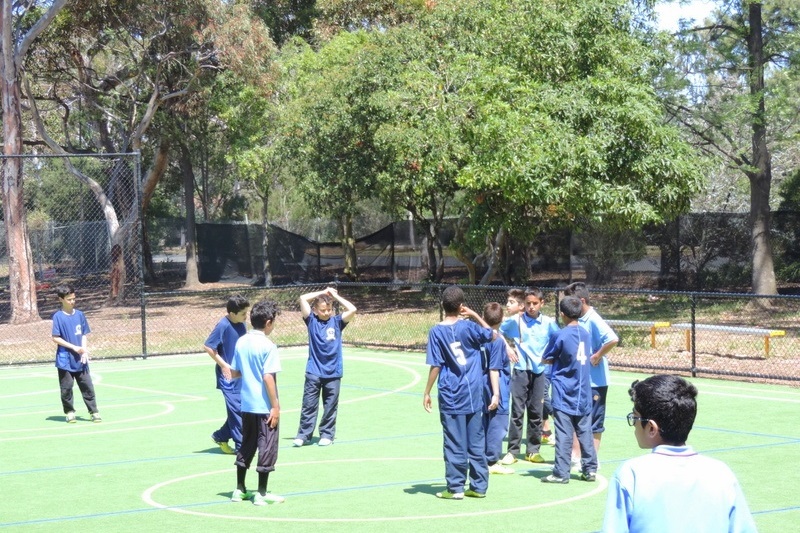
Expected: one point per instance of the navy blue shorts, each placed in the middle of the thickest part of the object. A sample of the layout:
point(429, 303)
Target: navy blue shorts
point(599, 409)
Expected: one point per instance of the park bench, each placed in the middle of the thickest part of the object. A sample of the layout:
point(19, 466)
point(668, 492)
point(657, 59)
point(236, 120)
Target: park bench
point(737, 330)
point(653, 325)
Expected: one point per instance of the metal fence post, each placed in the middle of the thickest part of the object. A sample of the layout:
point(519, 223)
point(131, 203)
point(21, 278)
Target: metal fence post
point(693, 307)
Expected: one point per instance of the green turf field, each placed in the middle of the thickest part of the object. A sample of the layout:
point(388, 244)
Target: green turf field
point(151, 464)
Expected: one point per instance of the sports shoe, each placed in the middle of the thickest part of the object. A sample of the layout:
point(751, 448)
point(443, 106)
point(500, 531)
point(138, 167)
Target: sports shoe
point(447, 495)
point(71, 417)
point(472, 494)
point(298, 442)
point(240, 495)
point(555, 479)
point(575, 466)
point(508, 459)
point(274, 498)
point(258, 499)
point(497, 468)
point(589, 476)
point(325, 441)
point(534, 458)
point(547, 437)
point(223, 446)
point(96, 417)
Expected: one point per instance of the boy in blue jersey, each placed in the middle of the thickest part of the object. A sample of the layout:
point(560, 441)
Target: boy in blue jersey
point(673, 488)
point(530, 332)
point(496, 391)
point(256, 362)
point(603, 340)
point(572, 393)
point(454, 356)
point(219, 345)
point(324, 367)
point(69, 331)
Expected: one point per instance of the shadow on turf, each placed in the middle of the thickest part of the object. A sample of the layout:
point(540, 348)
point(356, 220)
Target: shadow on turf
point(425, 488)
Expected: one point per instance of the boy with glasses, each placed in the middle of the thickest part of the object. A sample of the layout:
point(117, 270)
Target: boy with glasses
point(673, 488)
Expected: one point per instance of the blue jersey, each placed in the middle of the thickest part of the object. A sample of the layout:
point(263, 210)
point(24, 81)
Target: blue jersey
point(675, 489)
point(325, 346)
point(456, 350)
point(222, 340)
point(71, 328)
point(569, 376)
point(495, 357)
point(601, 334)
point(255, 356)
point(530, 336)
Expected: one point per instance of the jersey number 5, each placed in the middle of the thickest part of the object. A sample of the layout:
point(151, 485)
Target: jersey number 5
point(455, 347)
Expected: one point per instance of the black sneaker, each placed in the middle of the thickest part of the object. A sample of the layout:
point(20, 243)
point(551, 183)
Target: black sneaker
point(589, 476)
point(555, 479)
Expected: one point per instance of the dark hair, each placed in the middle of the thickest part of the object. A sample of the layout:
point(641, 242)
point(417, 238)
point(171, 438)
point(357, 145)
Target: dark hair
point(670, 401)
point(322, 298)
point(452, 299)
point(571, 306)
point(493, 313)
point(577, 289)
point(237, 303)
point(263, 312)
point(534, 291)
point(64, 290)
point(517, 294)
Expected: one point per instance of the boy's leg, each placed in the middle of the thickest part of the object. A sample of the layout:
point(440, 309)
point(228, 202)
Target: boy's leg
point(588, 453)
point(267, 443)
point(232, 428)
point(454, 430)
point(65, 382)
point(535, 410)
point(84, 379)
point(476, 451)
point(330, 407)
point(598, 418)
point(519, 394)
point(496, 427)
point(565, 429)
point(310, 408)
point(249, 445)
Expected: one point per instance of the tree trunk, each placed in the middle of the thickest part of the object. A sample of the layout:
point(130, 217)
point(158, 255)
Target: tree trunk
point(192, 277)
point(763, 280)
point(349, 248)
point(21, 278)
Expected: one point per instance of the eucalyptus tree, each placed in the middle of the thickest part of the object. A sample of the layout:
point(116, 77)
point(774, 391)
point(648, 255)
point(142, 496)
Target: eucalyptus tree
point(20, 25)
point(734, 72)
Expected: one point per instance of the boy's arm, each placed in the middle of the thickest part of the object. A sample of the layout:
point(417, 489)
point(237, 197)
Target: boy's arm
point(349, 309)
point(598, 356)
point(433, 374)
point(466, 311)
point(272, 393)
point(305, 301)
point(494, 379)
point(68, 345)
point(224, 367)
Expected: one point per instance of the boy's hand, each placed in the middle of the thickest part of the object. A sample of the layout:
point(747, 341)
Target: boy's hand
point(84, 357)
point(226, 372)
point(426, 402)
point(274, 416)
point(495, 402)
point(595, 359)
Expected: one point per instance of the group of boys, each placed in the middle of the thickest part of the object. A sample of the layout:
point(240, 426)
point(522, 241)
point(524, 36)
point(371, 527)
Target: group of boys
point(469, 362)
point(246, 366)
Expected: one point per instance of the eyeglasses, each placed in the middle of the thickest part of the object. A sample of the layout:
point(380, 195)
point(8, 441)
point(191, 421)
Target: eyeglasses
point(633, 418)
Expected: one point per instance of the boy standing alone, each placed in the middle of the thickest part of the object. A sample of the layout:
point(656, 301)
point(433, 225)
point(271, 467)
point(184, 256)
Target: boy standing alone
point(256, 362)
point(572, 394)
point(220, 346)
point(325, 364)
point(69, 331)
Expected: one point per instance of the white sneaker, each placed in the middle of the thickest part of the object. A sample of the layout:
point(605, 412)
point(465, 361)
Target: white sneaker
point(298, 442)
point(325, 441)
point(575, 466)
point(509, 459)
point(497, 468)
point(273, 498)
point(238, 496)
